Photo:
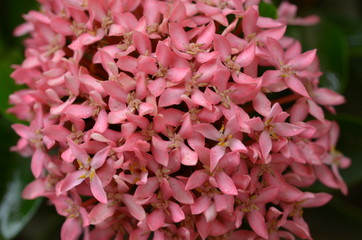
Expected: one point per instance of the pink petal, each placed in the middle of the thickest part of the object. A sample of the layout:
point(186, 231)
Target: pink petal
point(220, 80)
point(34, 189)
point(178, 36)
point(198, 98)
point(319, 200)
point(178, 13)
point(249, 21)
point(287, 129)
point(71, 229)
point(262, 104)
point(101, 212)
point(208, 131)
point(226, 184)
point(315, 110)
point(100, 157)
point(156, 219)
point(265, 22)
point(71, 180)
point(188, 157)
point(108, 64)
point(171, 96)
point(186, 127)
point(302, 61)
point(24, 131)
point(202, 228)
point(158, 235)
point(179, 192)
point(172, 116)
point(276, 51)
point(157, 86)
point(232, 126)
point(325, 96)
point(297, 229)
point(166, 189)
point(237, 145)
point(56, 132)
point(128, 64)
point(272, 80)
point(299, 111)
point(196, 179)
point(97, 189)
point(246, 56)
point(296, 85)
point(176, 212)
point(222, 45)
point(177, 74)
point(91, 82)
point(142, 43)
point(267, 194)
point(139, 234)
point(325, 175)
point(256, 123)
point(224, 203)
point(206, 36)
point(210, 213)
point(101, 124)
point(287, 192)
point(115, 90)
point(146, 190)
point(275, 33)
point(218, 227)
point(37, 162)
point(78, 152)
point(147, 64)
point(160, 150)
point(265, 143)
point(200, 205)
point(133, 207)
point(79, 111)
point(257, 223)
point(216, 153)
point(163, 53)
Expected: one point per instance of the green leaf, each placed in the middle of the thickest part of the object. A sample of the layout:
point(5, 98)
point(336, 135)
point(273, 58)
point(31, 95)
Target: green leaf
point(333, 52)
point(7, 84)
point(268, 10)
point(11, 16)
point(15, 212)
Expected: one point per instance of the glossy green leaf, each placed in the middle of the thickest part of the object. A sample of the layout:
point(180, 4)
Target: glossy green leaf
point(268, 10)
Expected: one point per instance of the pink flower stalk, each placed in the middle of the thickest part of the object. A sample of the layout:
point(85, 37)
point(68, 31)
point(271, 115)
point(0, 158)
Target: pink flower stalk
point(158, 118)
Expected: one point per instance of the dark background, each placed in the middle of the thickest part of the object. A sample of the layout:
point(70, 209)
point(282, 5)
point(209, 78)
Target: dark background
point(338, 38)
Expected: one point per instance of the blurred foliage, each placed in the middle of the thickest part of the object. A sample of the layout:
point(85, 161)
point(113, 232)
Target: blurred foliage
point(268, 10)
point(338, 38)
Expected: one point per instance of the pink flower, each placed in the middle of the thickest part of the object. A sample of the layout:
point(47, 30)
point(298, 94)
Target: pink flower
point(226, 137)
point(158, 118)
point(87, 170)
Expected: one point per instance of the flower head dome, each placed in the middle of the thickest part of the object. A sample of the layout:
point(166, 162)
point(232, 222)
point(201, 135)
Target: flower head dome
point(174, 119)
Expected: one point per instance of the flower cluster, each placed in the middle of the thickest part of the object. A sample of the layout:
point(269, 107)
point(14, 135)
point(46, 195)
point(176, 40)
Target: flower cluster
point(174, 119)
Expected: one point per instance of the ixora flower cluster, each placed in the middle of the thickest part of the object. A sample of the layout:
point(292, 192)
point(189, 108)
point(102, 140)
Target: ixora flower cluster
point(174, 119)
